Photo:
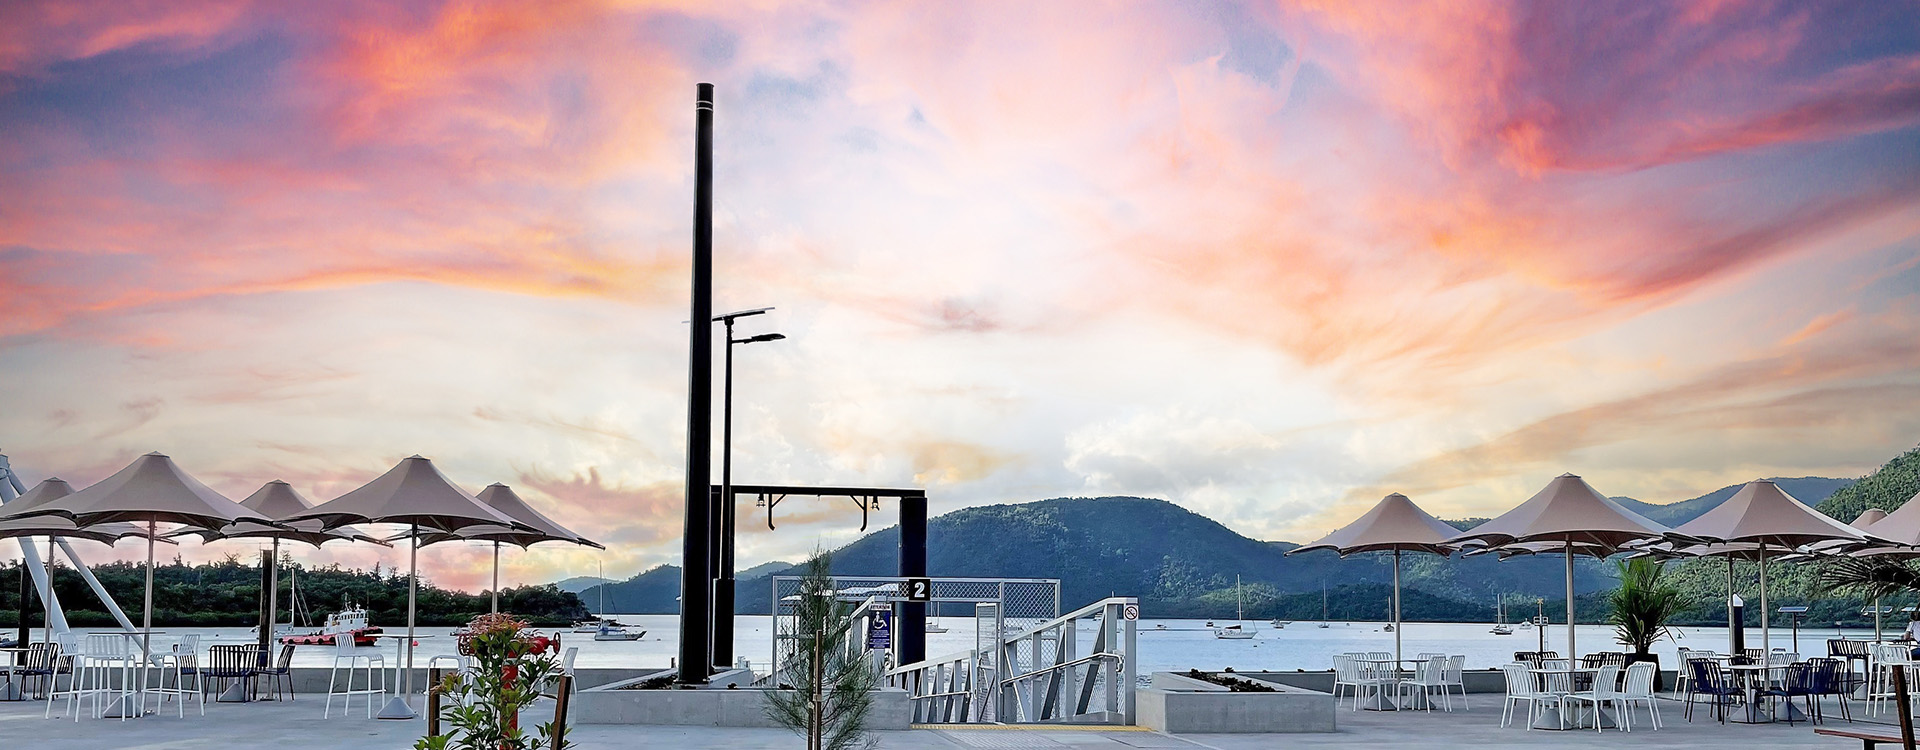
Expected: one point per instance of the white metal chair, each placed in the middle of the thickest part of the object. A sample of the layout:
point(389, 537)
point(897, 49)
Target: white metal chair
point(344, 652)
point(93, 674)
point(1603, 693)
point(1521, 688)
point(1455, 676)
point(1639, 687)
point(1428, 676)
point(183, 661)
point(1680, 675)
point(1346, 674)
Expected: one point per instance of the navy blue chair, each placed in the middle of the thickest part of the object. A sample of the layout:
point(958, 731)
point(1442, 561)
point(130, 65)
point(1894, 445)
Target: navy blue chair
point(1797, 681)
point(1705, 677)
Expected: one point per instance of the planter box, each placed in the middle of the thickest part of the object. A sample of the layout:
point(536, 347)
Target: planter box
point(745, 707)
point(1177, 704)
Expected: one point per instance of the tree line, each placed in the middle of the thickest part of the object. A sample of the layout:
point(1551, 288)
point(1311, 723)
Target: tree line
point(229, 593)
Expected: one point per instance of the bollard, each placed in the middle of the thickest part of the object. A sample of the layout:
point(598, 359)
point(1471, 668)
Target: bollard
point(433, 702)
point(560, 695)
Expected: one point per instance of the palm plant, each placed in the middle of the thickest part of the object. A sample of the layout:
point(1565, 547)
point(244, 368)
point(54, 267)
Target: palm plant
point(1869, 577)
point(1643, 604)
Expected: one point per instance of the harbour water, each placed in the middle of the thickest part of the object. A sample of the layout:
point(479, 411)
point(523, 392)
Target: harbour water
point(1164, 644)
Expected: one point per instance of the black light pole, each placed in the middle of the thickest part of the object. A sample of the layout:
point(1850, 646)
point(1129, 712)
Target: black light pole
point(696, 649)
point(723, 510)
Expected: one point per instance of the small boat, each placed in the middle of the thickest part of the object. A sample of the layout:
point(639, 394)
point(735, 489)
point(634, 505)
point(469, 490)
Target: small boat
point(1280, 624)
point(610, 633)
point(350, 620)
point(1234, 632)
point(934, 626)
point(1500, 626)
point(1323, 605)
point(1388, 628)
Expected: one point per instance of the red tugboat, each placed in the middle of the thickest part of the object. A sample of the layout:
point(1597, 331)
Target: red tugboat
point(350, 620)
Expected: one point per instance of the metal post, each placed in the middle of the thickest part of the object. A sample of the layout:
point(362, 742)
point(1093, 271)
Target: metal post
point(696, 650)
point(265, 620)
point(496, 576)
point(723, 526)
point(413, 588)
point(1733, 647)
point(1572, 653)
point(912, 628)
point(26, 602)
point(1396, 606)
point(146, 613)
point(1766, 644)
point(273, 596)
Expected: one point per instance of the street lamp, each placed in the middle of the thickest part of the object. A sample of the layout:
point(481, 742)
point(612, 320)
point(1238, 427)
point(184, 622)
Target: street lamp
point(722, 557)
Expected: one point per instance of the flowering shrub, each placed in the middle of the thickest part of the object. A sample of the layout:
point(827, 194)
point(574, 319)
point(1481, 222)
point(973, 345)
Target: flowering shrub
point(508, 667)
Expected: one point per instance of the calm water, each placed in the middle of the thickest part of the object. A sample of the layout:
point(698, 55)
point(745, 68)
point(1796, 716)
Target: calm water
point(1182, 644)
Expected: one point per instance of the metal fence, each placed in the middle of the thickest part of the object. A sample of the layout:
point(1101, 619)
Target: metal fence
point(1000, 607)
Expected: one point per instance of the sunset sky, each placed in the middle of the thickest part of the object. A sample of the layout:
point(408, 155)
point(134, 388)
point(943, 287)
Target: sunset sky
point(1269, 261)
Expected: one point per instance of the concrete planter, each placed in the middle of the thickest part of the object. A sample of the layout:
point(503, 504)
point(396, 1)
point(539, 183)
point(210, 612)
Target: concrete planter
point(744, 707)
point(1182, 705)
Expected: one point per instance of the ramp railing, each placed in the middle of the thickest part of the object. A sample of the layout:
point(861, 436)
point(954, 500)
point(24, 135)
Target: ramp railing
point(1079, 668)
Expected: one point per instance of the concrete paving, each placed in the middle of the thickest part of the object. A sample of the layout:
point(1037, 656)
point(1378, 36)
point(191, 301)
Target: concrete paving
point(298, 725)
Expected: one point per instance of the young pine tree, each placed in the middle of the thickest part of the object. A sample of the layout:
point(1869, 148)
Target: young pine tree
point(826, 678)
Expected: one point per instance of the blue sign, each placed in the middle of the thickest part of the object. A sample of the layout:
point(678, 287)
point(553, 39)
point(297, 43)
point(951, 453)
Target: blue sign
point(880, 629)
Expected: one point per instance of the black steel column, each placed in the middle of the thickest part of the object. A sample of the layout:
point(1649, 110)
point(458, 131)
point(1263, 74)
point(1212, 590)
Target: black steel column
point(912, 628)
point(722, 515)
point(26, 604)
point(266, 595)
point(696, 632)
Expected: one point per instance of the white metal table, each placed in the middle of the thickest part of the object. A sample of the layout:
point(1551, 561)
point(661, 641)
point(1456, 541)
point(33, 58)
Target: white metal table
point(1556, 717)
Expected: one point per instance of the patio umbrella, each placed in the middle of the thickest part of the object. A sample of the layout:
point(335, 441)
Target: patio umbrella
point(277, 499)
point(540, 529)
point(1568, 512)
point(151, 490)
point(1397, 525)
point(1764, 515)
point(57, 527)
point(416, 494)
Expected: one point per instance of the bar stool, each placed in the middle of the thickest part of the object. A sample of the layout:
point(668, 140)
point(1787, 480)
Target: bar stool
point(183, 660)
point(344, 652)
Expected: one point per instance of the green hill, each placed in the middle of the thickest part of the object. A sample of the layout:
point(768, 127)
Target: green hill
point(1183, 564)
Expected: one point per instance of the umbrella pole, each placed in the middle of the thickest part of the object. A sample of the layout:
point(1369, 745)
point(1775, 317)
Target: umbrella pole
point(1766, 650)
point(1572, 653)
point(1397, 627)
point(273, 595)
point(496, 576)
point(413, 585)
point(146, 615)
point(1876, 619)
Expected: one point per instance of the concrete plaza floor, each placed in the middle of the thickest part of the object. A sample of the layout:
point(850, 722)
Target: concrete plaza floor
point(297, 725)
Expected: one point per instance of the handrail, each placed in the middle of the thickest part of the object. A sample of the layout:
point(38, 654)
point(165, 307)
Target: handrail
point(1040, 674)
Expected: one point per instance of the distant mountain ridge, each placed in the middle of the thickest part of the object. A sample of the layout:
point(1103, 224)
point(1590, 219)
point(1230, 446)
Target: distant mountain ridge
point(1180, 562)
point(578, 584)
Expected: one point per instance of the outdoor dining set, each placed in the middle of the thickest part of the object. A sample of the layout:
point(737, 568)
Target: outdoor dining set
point(109, 672)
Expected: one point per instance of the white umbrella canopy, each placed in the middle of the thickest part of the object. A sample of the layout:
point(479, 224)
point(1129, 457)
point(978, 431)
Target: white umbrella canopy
point(1571, 513)
point(1762, 514)
point(502, 498)
point(277, 500)
point(1394, 524)
point(151, 490)
point(49, 490)
point(413, 493)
